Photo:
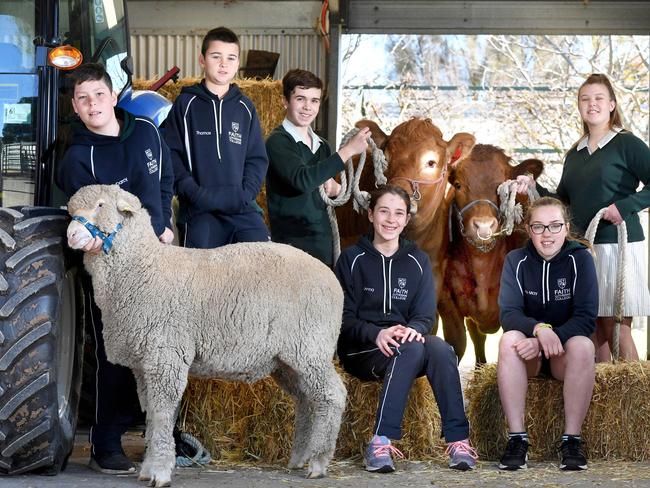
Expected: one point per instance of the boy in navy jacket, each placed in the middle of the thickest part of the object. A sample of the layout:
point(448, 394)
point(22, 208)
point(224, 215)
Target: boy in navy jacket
point(218, 152)
point(112, 146)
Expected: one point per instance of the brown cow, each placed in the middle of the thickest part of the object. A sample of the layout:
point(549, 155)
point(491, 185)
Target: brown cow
point(419, 160)
point(474, 258)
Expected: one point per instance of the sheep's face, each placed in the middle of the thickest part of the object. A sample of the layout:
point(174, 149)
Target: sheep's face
point(102, 206)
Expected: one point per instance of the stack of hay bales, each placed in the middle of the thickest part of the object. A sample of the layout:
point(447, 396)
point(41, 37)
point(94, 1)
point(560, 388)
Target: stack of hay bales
point(266, 95)
point(238, 422)
point(615, 427)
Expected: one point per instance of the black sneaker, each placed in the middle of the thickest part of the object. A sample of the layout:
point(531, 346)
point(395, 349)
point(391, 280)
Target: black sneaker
point(516, 454)
point(573, 457)
point(111, 463)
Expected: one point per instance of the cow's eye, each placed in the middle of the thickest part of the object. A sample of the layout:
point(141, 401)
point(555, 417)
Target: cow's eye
point(431, 163)
point(457, 185)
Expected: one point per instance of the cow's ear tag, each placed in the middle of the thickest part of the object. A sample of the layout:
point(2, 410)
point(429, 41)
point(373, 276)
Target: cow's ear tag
point(457, 153)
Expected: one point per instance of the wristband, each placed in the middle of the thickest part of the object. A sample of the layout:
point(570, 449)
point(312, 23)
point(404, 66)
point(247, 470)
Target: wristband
point(541, 326)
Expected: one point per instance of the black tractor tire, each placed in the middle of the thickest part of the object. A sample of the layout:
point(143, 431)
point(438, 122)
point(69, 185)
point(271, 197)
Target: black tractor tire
point(41, 340)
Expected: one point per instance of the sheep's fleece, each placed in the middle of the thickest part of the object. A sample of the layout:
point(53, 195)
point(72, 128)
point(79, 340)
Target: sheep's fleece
point(239, 312)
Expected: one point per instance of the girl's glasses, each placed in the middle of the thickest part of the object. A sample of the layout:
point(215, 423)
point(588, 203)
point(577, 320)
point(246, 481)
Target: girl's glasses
point(553, 228)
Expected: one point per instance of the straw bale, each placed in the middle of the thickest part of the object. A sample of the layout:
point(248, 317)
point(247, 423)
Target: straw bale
point(266, 95)
point(615, 427)
point(237, 421)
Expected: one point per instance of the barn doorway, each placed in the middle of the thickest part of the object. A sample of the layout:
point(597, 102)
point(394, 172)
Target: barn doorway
point(514, 91)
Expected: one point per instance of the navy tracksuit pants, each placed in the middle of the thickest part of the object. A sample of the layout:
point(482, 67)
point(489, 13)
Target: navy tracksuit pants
point(435, 359)
point(210, 229)
point(116, 399)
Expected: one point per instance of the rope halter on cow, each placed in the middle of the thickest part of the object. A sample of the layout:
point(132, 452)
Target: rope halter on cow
point(441, 180)
point(361, 199)
point(107, 239)
point(509, 213)
point(621, 270)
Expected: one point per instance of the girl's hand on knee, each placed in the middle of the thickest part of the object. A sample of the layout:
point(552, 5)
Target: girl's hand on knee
point(549, 342)
point(409, 334)
point(528, 349)
point(386, 338)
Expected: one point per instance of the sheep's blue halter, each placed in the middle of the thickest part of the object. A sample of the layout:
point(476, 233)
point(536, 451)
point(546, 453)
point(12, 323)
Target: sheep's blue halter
point(107, 239)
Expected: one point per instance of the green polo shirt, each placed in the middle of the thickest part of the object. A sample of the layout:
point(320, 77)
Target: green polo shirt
point(611, 174)
point(297, 213)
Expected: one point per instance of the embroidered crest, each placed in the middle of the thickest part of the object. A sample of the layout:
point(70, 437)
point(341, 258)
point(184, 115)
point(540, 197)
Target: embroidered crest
point(401, 282)
point(149, 153)
point(235, 126)
point(561, 282)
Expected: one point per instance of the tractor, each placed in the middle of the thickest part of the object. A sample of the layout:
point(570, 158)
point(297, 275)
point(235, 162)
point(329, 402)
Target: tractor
point(42, 298)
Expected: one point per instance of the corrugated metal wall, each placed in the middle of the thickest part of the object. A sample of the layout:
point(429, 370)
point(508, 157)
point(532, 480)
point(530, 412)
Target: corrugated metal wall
point(154, 54)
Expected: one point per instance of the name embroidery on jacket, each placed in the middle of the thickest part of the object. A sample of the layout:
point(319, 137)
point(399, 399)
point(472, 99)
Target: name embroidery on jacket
point(234, 135)
point(203, 133)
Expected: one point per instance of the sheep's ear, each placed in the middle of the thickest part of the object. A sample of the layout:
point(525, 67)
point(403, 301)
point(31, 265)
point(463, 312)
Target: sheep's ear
point(127, 205)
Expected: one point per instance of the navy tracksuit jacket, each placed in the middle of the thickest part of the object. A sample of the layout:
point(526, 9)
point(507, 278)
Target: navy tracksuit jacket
point(219, 160)
point(562, 292)
point(137, 160)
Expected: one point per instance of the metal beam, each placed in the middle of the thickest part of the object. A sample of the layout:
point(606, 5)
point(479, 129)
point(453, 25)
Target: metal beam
point(498, 17)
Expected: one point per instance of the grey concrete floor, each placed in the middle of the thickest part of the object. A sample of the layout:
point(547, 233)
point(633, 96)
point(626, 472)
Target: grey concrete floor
point(342, 474)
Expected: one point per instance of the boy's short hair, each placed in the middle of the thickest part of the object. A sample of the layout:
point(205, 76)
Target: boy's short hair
point(301, 78)
point(90, 72)
point(222, 34)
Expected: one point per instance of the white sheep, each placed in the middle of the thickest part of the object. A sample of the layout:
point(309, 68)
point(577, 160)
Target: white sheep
point(240, 312)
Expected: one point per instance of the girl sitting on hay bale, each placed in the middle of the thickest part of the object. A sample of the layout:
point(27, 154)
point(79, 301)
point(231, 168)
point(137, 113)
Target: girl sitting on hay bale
point(548, 304)
point(388, 312)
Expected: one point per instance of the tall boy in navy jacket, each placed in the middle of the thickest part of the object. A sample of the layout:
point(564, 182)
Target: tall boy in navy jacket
point(112, 146)
point(218, 152)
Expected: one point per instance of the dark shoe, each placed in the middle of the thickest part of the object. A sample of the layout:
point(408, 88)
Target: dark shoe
point(516, 454)
point(572, 454)
point(111, 463)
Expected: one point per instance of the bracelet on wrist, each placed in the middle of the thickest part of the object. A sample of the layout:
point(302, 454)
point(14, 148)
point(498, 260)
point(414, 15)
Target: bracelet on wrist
point(541, 326)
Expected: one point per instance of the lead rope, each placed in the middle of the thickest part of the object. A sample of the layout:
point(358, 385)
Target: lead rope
point(621, 269)
point(512, 212)
point(361, 199)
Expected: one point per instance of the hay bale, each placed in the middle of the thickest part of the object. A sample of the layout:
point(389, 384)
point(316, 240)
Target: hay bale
point(615, 427)
point(238, 421)
point(266, 95)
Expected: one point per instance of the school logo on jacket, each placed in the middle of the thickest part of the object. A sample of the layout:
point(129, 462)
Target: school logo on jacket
point(401, 292)
point(234, 135)
point(563, 293)
point(152, 164)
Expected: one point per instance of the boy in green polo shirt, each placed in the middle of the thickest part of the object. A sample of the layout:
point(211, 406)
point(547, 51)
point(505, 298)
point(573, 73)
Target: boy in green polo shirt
point(299, 162)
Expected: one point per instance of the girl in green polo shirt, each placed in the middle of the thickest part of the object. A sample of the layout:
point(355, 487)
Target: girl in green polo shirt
point(603, 170)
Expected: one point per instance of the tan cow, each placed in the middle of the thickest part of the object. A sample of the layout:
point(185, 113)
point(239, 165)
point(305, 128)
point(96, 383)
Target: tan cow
point(419, 160)
point(473, 261)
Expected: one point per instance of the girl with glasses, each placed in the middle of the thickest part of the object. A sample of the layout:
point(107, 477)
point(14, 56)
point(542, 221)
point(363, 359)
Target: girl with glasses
point(604, 170)
point(548, 305)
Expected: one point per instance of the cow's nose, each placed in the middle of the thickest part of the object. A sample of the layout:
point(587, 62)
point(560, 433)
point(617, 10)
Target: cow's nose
point(484, 228)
